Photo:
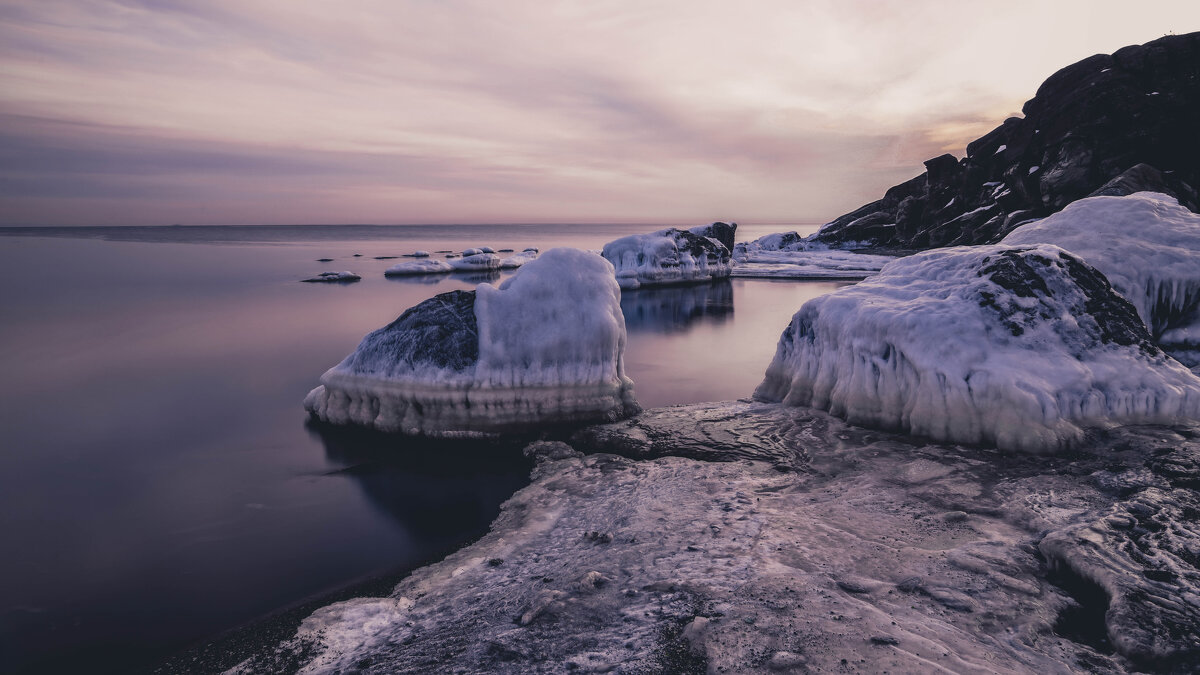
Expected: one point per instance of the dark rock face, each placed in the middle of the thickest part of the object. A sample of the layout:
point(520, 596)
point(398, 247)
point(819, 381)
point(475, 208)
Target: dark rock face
point(1086, 131)
point(1101, 315)
point(722, 232)
point(440, 332)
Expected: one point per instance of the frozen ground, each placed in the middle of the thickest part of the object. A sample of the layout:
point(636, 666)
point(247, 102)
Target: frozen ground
point(753, 537)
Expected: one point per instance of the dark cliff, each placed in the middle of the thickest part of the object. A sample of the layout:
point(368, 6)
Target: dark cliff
point(1111, 124)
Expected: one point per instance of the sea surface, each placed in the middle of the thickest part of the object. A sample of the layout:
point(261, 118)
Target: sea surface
point(159, 483)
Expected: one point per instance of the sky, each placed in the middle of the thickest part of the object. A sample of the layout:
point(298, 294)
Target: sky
point(149, 112)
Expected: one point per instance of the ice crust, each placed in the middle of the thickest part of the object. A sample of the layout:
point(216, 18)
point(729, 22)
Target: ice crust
point(544, 347)
point(475, 262)
point(787, 540)
point(669, 256)
point(420, 266)
point(518, 259)
point(1014, 347)
point(808, 264)
point(1149, 248)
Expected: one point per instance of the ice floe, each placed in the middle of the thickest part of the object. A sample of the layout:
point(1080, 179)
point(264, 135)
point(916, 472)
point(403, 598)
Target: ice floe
point(333, 277)
point(1149, 248)
point(669, 256)
point(420, 266)
point(544, 347)
point(1015, 347)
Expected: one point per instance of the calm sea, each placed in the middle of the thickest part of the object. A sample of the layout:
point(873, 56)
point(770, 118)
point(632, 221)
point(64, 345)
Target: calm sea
point(158, 482)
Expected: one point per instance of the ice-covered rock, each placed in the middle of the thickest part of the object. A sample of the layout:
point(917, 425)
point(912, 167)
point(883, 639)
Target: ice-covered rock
point(544, 347)
point(475, 262)
point(800, 544)
point(810, 264)
point(1015, 347)
point(518, 259)
point(334, 277)
point(669, 256)
point(415, 267)
point(722, 232)
point(418, 254)
point(1149, 248)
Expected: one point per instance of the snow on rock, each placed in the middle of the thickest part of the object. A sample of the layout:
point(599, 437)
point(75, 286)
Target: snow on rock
point(418, 254)
point(414, 267)
point(544, 347)
point(1016, 347)
point(1149, 248)
point(333, 277)
point(518, 259)
point(669, 256)
point(475, 262)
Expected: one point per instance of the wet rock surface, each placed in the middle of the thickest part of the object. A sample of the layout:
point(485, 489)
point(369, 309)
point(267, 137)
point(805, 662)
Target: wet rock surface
point(846, 561)
point(1109, 124)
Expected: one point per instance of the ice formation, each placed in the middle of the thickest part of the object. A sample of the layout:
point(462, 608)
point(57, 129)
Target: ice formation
point(518, 259)
point(420, 266)
point(799, 544)
point(333, 277)
point(1016, 347)
point(669, 256)
point(418, 254)
point(475, 262)
point(1149, 248)
point(809, 264)
point(545, 347)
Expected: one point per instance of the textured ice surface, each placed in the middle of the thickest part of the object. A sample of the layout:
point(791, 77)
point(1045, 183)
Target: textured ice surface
point(668, 256)
point(819, 547)
point(1149, 248)
point(518, 259)
point(475, 262)
point(545, 347)
point(813, 264)
point(333, 277)
point(1014, 347)
point(422, 266)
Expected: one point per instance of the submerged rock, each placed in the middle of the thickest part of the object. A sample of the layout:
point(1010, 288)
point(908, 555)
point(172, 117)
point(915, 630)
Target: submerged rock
point(333, 277)
point(1087, 125)
point(545, 347)
point(1147, 245)
point(669, 256)
point(1014, 347)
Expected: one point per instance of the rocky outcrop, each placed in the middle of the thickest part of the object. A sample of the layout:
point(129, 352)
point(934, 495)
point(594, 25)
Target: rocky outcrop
point(1109, 124)
point(722, 232)
point(671, 256)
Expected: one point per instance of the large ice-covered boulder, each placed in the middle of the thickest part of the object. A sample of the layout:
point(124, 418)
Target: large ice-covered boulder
point(670, 256)
point(1018, 347)
point(545, 347)
point(1149, 248)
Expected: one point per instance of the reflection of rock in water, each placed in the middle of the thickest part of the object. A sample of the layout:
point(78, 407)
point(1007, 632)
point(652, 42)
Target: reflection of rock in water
point(880, 551)
point(442, 491)
point(671, 309)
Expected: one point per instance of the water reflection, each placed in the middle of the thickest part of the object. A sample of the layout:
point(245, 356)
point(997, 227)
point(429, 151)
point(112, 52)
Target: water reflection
point(440, 491)
point(490, 277)
point(673, 309)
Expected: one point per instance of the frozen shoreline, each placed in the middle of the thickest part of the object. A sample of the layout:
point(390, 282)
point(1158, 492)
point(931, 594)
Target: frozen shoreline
point(808, 541)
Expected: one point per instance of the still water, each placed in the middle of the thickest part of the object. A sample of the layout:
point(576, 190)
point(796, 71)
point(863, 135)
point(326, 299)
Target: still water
point(158, 483)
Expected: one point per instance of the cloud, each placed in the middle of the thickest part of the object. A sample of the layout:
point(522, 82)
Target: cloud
point(465, 110)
